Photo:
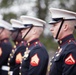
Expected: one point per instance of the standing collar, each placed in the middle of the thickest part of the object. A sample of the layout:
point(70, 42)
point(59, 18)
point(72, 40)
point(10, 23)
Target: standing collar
point(66, 39)
point(33, 42)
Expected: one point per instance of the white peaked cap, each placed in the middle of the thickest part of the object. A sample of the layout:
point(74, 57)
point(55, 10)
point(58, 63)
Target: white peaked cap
point(16, 23)
point(5, 25)
point(31, 20)
point(61, 13)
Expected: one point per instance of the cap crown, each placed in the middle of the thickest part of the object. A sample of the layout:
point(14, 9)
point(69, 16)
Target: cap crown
point(5, 25)
point(16, 23)
point(61, 13)
point(27, 20)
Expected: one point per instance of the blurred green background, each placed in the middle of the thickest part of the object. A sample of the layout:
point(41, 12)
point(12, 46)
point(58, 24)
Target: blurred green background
point(37, 8)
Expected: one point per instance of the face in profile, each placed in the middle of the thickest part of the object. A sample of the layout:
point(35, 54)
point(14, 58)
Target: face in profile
point(1, 29)
point(4, 33)
point(16, 35)
point(54, 29)
point(24, 32)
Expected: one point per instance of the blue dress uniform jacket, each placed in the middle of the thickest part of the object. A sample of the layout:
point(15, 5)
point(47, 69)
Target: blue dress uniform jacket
point(64, 61)
point(5, 47)
point(14, 64)
point(35, 59)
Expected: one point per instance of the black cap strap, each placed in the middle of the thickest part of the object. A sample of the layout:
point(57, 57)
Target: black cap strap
point(27, 32)
point(2, 30)
point(59, 29)
point(17, 35)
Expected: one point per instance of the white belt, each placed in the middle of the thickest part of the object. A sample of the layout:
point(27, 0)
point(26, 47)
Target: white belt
point(6, 68)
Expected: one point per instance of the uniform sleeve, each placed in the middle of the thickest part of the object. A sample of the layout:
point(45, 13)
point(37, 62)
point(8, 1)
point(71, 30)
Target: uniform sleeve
point(38, 62)
point(6, 49)
point(69, 65)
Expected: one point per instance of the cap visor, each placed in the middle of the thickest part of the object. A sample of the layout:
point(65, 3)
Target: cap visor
point(52, 22)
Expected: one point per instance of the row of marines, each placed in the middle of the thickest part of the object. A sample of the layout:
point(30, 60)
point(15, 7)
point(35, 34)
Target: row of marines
point(28, 56)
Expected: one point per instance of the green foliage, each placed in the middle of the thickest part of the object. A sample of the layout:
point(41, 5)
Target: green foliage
point(6, 3)
point(74, 6)
point(62, 4)
point(8, 16)
point(75, 33)
point(49, 43)
point(42, 6)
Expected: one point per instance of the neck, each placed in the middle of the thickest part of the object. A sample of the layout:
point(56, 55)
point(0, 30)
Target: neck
point(32, 38)
point(65, 36)
point(3, 38)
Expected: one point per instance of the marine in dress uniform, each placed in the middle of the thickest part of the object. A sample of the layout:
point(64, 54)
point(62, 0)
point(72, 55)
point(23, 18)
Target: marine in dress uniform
point(5, 46)
point(64, 60)
point(35, 58)
point(18, 51)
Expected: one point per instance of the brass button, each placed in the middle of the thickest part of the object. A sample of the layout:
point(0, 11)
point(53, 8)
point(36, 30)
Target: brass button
point(19, 73)
point(28, 44)
point(26, 48)
point(20, 67)
point(8, 64)
point(8, 72)
point(10, 54)
point(60, 41)
point(69, 40)
point(16, 42)
point(14, 46)
point(36, 43)
point(58, 47)
point(8, 59)
point(13, 50)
